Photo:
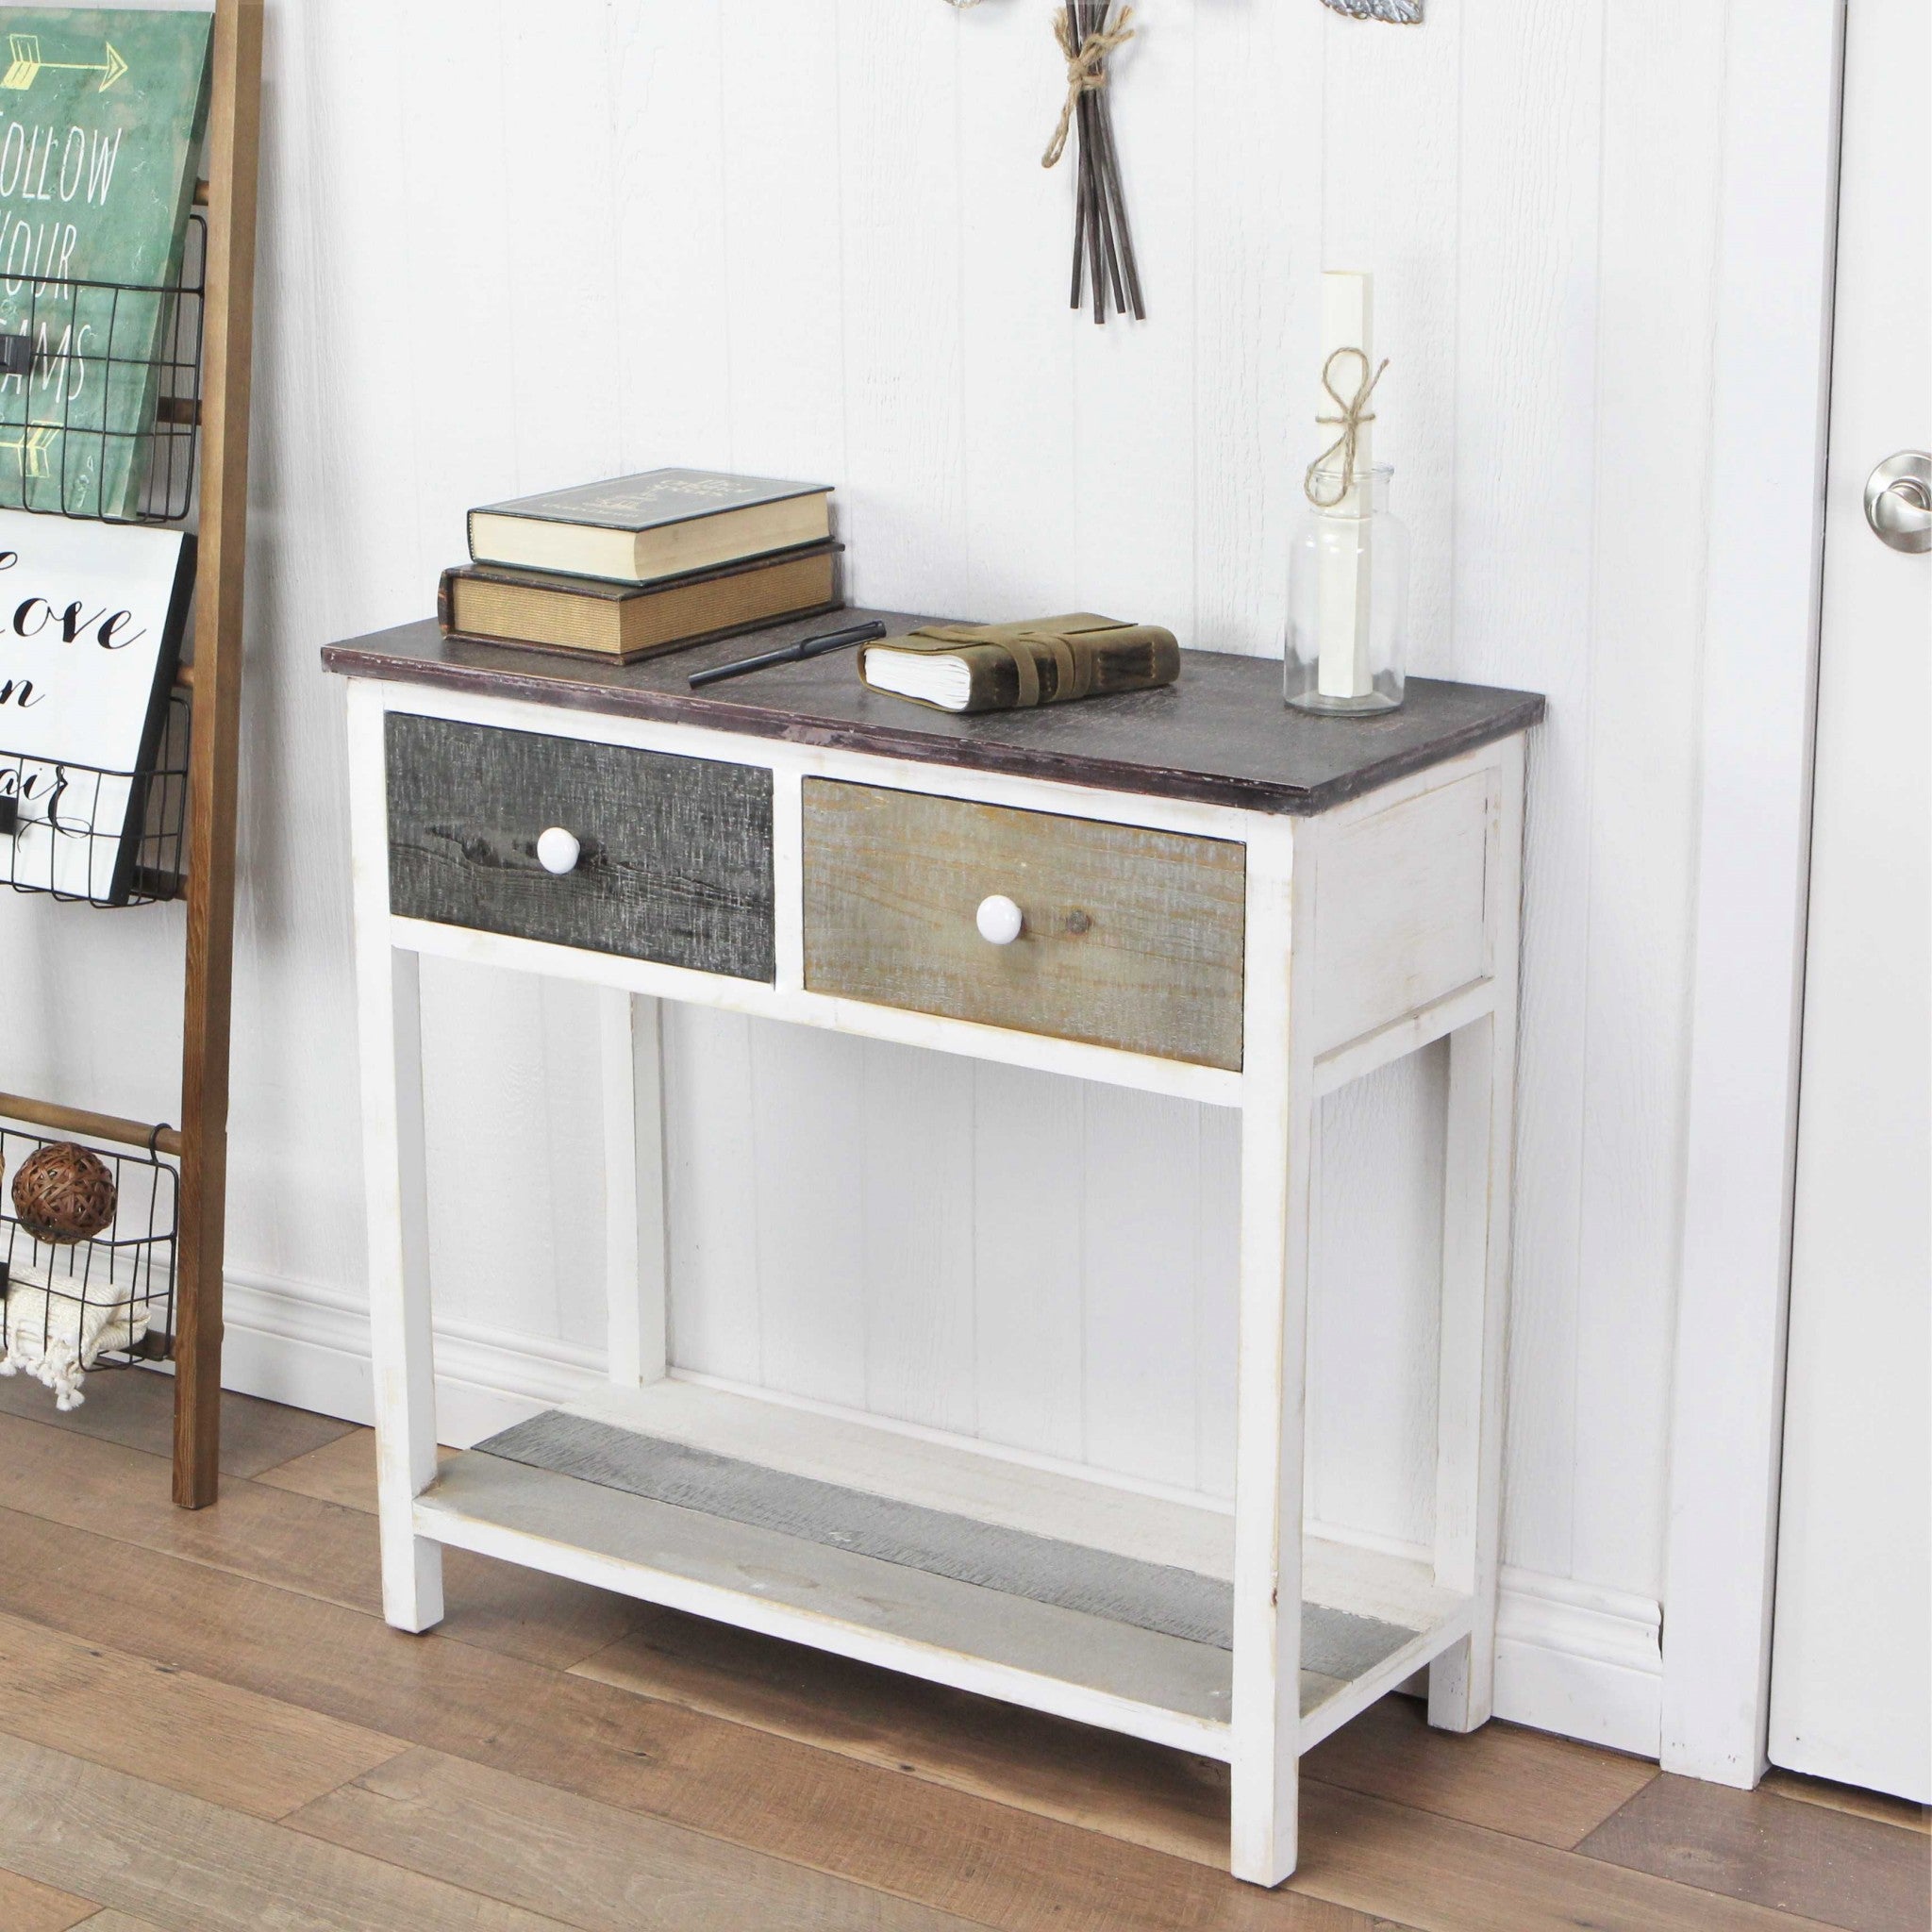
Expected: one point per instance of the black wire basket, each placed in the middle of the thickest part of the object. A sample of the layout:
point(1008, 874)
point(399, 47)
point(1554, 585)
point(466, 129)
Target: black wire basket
point(100, 391)
point(91, 836)
point(91, 1305)
point(100, 419)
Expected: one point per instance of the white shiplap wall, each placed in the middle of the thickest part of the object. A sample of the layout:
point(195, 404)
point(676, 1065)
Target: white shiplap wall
point(507, 247)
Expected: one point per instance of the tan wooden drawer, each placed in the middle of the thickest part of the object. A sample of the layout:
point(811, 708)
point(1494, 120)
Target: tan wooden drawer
point(1132, 939)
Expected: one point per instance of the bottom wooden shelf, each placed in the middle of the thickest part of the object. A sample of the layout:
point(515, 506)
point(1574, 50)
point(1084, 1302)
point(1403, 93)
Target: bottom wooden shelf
point(1044, 1587)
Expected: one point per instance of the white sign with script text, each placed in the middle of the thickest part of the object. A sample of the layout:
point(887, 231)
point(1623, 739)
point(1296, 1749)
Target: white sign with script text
point(91, 622)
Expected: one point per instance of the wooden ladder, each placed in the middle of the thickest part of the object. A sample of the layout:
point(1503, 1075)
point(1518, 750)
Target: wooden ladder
point(214, 682)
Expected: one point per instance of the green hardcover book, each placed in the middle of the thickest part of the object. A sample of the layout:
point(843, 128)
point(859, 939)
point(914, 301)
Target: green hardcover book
point(662, 523)
point(101, 117)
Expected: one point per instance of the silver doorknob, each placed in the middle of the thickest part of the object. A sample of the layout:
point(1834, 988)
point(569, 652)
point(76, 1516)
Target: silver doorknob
point(1898, 501)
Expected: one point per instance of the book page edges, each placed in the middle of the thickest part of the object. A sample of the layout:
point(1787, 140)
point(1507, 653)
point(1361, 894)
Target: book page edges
point(642, 555)
point(944, 681)
point(988, 663)
point(632, 627)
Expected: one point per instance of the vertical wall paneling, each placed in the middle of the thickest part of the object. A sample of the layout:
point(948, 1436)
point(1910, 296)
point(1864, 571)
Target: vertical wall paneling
point(1257, 215)
point(556, 364)
point(898, 191)
point(515, 1199)
point(1525, 433)
point(1215, 1278)
point(515, 1149)
point(1390, 127)
point(1017, 337)
point(462, 251)
point(669, 381)
point(1142, 1194)
point(917, 1147)
point(1134, 382)
point(1656, 275)
point(813, 237)
point(784, 316)
point(809, 1187)
point(1030, 1258)
point(332, 393)
point(713, 1199)
point(1372, 1320)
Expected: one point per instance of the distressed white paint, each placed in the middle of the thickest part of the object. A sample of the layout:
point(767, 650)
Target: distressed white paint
point(734, 250)
point(1271, 1388)
point(1088, 1668)
point(389, 1033)
point(1480, 1142)
point(631, 1052)
point(1430, 856)
point(1343, 887)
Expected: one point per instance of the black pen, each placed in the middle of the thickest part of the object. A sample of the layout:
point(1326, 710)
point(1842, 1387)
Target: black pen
point(791, 654)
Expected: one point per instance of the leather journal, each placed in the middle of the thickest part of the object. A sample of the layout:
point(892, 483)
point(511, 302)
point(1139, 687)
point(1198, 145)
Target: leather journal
point(1013, 667)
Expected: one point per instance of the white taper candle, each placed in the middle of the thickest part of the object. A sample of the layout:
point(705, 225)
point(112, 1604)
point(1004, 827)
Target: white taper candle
point(1343, 580)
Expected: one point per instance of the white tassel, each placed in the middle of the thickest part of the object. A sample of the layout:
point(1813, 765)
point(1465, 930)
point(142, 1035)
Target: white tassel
point(56, 1333)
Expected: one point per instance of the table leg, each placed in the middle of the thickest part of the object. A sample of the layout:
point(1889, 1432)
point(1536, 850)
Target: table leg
point(401, 1345)
point(634, 1255)
point(1278, 1117)
point(1476, 1290)
point(390, 1041)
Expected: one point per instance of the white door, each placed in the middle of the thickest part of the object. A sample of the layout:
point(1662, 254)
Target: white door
point(1851, 1692)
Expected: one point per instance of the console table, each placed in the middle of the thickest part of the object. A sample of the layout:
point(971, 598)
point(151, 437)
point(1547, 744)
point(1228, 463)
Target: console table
point(1192, 891)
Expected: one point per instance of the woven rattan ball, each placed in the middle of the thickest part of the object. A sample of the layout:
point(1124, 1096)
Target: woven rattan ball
point(63, 1193)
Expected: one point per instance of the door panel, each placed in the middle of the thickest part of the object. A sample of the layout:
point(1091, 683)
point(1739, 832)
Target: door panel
point(1851, 1688)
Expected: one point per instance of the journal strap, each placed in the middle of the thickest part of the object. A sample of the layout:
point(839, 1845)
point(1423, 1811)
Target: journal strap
point(1025, 643)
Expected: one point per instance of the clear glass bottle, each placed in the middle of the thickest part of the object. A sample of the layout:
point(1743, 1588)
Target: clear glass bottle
point(1347, 599)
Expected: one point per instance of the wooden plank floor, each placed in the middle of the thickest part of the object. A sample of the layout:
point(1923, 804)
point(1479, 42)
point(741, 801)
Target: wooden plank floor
point(206, 1726)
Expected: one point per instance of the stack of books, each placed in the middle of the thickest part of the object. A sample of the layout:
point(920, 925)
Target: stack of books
point(626, 569)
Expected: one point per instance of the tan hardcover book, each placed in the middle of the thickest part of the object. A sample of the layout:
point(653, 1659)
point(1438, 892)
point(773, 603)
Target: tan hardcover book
point(662, 523)
point(1012, 667)
point(627, 621)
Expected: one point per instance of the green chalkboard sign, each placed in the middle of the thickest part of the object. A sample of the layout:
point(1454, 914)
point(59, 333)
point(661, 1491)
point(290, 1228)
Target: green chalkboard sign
point(102, 111)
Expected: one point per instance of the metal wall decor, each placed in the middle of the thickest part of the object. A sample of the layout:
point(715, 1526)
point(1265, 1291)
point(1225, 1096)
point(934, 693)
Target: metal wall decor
point(1395, 12)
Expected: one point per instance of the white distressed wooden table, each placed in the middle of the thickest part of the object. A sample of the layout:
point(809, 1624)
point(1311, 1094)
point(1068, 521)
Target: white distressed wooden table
point(1217, 899)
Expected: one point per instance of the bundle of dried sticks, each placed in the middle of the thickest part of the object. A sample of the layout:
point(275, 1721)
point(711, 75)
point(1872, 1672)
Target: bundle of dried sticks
point(1103, 244)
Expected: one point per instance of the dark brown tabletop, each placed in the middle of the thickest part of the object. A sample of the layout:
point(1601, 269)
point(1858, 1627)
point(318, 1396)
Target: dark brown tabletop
point(1222, 735)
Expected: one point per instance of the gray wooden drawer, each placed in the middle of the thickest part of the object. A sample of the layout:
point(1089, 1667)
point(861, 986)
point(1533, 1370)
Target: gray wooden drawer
point(1132, 939)
point(676, 851)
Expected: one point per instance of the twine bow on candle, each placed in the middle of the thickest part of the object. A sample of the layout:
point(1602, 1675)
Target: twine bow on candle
point(1355, 413)
point(1086, 71)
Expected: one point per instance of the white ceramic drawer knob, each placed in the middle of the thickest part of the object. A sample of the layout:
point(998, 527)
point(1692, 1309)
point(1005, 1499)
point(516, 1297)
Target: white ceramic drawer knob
point(557, 851)
point(998, 920)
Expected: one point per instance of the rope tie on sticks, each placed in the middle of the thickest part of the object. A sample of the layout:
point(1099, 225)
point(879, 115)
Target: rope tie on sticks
point(1355, 414)
point(1086, 71)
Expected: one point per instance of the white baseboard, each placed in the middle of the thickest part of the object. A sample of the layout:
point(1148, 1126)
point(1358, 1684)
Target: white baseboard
point(1580, 1660)
point(1571, 1657)
point(308, 1346)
